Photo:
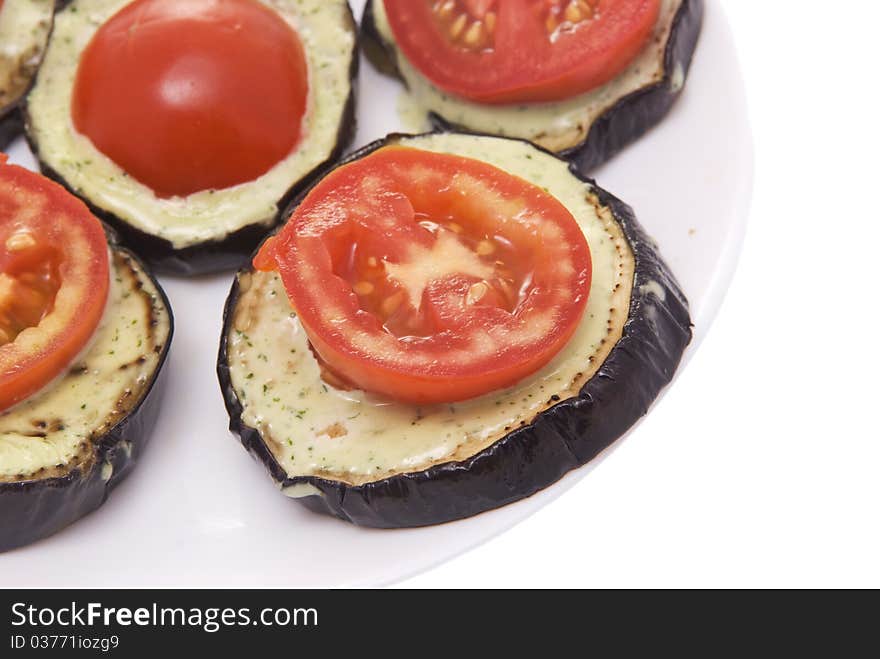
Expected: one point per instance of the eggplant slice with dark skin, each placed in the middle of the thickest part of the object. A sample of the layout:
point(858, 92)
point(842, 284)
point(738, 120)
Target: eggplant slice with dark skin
point(38, 504)
point(625, 119)
point(229, 250)
point(568, 431)
point(30, 24)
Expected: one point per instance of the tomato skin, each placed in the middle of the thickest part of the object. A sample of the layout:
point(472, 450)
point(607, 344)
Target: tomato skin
point(524, 65)
point(193, 95)
point(462, 345)
point(66, 240)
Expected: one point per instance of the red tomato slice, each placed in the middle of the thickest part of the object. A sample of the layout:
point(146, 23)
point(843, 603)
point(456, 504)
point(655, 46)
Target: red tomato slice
point(431, 278)
point(54, 281)
point(521, 51)
point(193, 95)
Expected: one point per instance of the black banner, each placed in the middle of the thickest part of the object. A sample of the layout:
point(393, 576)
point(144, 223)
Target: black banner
point(130, 623)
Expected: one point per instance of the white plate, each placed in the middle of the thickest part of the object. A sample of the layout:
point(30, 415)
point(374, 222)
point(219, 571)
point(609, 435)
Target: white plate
point(199, 512)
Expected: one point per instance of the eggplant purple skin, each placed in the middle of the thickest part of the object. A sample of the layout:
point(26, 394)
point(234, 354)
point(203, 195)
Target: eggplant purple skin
point(36, 509)
point(562, 438)
point(11, 125)
point(231, 251)
point(623, 123)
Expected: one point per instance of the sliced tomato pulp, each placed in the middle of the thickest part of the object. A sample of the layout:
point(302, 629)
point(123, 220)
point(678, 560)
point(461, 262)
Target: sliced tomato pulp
point(429, 277)
point(518, 51)
point(54, 281)
point(193, 95)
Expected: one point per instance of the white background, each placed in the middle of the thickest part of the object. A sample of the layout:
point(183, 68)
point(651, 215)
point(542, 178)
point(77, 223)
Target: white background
point(761, 467)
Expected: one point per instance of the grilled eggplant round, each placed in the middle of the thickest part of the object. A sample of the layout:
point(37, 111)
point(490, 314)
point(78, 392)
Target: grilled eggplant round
point(63, 450)
point(210, 230)
point(383, 464)
point(587, 129)
point(25, 26)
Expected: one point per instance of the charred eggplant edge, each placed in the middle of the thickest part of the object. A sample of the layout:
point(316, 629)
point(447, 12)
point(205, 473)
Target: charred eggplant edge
point(621, 124)
point(32, 510)
point(11, 116)
point(232, 250)
point(532, 457)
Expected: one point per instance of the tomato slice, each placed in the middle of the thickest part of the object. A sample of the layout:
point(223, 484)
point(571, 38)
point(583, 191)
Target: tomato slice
point(193, 95)
point(521, 51)
point(428, 277)
point(54, 281)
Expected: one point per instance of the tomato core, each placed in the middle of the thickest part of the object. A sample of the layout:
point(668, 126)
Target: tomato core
point(498, 268)
point(193, 95)
point(428, 277)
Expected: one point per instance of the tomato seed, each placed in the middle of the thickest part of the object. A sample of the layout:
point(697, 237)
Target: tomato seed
point(477, 292)
point(474, 36)
point(18, 242)
point(458, 26)
point(444, 9)
point(392, 304)
point(485, 248)
point(573, 12)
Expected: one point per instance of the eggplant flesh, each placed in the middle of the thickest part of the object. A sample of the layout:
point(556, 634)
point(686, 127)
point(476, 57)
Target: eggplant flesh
point(64, 450)
point(25, 26)
point(607, 121)
point(244, 214)
point(568, 431)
